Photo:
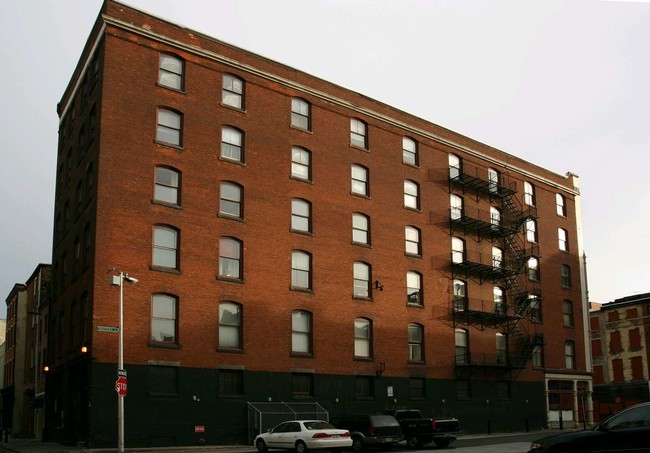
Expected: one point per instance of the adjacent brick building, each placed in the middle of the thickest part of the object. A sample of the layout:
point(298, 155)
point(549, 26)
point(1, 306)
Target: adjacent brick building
point(620, 332)
point(294, 242)
point(25, 340)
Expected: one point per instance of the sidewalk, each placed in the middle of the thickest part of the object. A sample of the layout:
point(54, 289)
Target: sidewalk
point(30, 445)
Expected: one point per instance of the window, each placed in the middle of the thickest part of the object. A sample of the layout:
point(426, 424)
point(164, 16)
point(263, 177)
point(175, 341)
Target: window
point(409, 151)
point(412, 237)
point(90, 181)
point(362, 338)
point(499, 301)
point(232, 144)
point(562, 238)
point(230, 326)
point(163, 380)
point(414, 288)
point(165, 247)
point(417, 388)
point(364, 387)
point(360, 180)
point(87, 241)
point(636, 364)
point(501, 348)
point(416, 342)
point(560, 203)
point(569, 355)
point(457, 250)
point(615, 345)
point(411, 195)
point(230, 382)
point(302, 386)
point(230, 200)
point(79, 196)
point(538, 356)
point(300, 163)
point(493, 180)
point(361, 280)
point(360, 229)
point(300, 215)
point(535, 309)
point(232, 93)
point(170, 73)
point(167, 186)
point(617, 370)
point(497, 257)
point(169, 127)
point(567, 310)
point(456, 203)
point(358, 133)
point(300, 270)
point(301, 342)
point(300, 114)
point(460, 295)
point(495, 218)
point(596, 347)
point(163, 318)
point(531, 230)
point(455, 166)
point(230, 258)
point(529, 194)
point(533, 269)
point(565, 276)
point(462, 348)
point(635, 339)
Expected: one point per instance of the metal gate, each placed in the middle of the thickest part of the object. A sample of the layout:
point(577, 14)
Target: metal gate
point(265, 415)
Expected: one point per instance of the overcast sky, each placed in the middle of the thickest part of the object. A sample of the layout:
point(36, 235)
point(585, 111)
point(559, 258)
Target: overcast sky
point(563, 84)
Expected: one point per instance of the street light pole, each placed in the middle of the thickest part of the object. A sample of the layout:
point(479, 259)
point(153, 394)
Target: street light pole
point(118, 280)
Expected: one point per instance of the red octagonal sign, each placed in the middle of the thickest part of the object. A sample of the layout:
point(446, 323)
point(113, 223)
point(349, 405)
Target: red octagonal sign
point(120, 385)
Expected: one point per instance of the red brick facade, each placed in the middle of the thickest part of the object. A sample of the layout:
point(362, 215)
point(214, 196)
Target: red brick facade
point(117, 106)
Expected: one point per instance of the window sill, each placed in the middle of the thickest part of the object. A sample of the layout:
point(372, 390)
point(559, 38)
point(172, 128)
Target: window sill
point(301, 129)
point(167, 270)
point(415, 305)
point(360, 195)
point(416, 362)
point(169, 145)
point(363, 359)
point(298, 289)
point(416, 166)
point(230, 279)
point(363, 299)
point(362, 244)
point(241, 163)
point(230, 350)
point(233, 108)
point(301, 232)
point(163, 345)
point(359, 147)
point(306, 181)
point(167, 205)
point(412, 209)
point(175, 90)
point(230, 217)
point(413, 255)
point(302, 355)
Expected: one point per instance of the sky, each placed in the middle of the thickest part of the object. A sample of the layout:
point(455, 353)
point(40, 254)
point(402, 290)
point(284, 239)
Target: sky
point(564, 84)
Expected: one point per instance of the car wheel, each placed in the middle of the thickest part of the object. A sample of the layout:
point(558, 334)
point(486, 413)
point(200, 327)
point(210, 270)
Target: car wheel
point(357, 443)
point(413, 442)
point(301, 447)
point(261, 446)
point(442, 443)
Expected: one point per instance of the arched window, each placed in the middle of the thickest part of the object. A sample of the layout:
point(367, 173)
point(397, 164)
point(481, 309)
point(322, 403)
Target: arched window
point(231, 200)
point(232, 93)
point(300, 163)
point(360, 180)
point(409, 151)
point(164, 309)
point(414, 288)
point(455, 166)
point(300, 215)
point(358, 133)
point(300, 114)
point(411, 195)
point(416, 342)
point(301, 335)
point(300, 270)
point(362, 338)
point(230, 258)
point(456, 203)
point(170, 127)
point(230, 326)
point(360, 228)
point(460, 295)
point(167, 186)
point(413, 245)
point(462, 346)
point(170, 73)
point(232, 144)
point(165, 247)
point(361, 280)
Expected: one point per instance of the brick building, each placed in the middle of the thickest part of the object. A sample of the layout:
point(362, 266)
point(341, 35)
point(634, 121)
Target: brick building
point(25, 338)
point(620, 332)
point(294, 242)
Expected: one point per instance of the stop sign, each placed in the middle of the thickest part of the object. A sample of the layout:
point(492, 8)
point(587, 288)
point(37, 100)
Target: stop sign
point(120, 385)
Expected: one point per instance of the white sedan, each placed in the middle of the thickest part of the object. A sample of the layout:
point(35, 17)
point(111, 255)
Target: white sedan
point(303, 435)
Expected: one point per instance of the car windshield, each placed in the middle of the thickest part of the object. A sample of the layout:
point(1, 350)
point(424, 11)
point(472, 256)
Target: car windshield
point(318, 425)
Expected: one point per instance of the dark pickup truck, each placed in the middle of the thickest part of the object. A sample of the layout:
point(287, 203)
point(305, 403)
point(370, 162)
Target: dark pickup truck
point(418, 430)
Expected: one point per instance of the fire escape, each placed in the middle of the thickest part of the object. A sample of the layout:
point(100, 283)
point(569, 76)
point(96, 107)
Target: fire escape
point(503, 226)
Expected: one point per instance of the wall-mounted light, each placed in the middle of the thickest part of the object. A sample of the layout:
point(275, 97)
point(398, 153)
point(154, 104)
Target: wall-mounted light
point(378, 285)
point(381, 369)
point(84, 349)
point(46, 369)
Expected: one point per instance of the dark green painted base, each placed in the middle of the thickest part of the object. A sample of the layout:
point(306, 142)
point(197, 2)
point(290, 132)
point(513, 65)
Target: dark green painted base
point(190, 412)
